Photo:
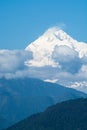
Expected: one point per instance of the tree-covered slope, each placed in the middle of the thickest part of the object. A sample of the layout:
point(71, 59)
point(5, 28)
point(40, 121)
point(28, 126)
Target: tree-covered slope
point(68, 115)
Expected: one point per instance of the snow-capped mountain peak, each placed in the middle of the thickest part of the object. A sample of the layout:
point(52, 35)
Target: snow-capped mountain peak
point(44, 47)
point(57, 33)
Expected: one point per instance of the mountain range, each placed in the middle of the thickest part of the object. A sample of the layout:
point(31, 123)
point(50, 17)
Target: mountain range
point(20, 98)
point(69, 115)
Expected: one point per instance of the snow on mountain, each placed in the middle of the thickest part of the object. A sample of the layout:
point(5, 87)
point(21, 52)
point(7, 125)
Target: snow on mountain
point(44, 47)
point(51, 81)
point(81, 86)
point(56, 55)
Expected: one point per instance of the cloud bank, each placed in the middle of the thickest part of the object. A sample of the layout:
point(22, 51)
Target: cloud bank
point(73, 68)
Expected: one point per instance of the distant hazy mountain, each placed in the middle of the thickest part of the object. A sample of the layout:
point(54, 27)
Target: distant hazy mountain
point(69, 115)
point(20, 98)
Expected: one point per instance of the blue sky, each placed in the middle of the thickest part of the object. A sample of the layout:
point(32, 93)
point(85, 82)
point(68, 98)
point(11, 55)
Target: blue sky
point(22, 21)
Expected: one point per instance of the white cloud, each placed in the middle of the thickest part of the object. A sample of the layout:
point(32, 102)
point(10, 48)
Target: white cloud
point(71, 68)
point(83, 69)
point(67, 58)
point(12, 61)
